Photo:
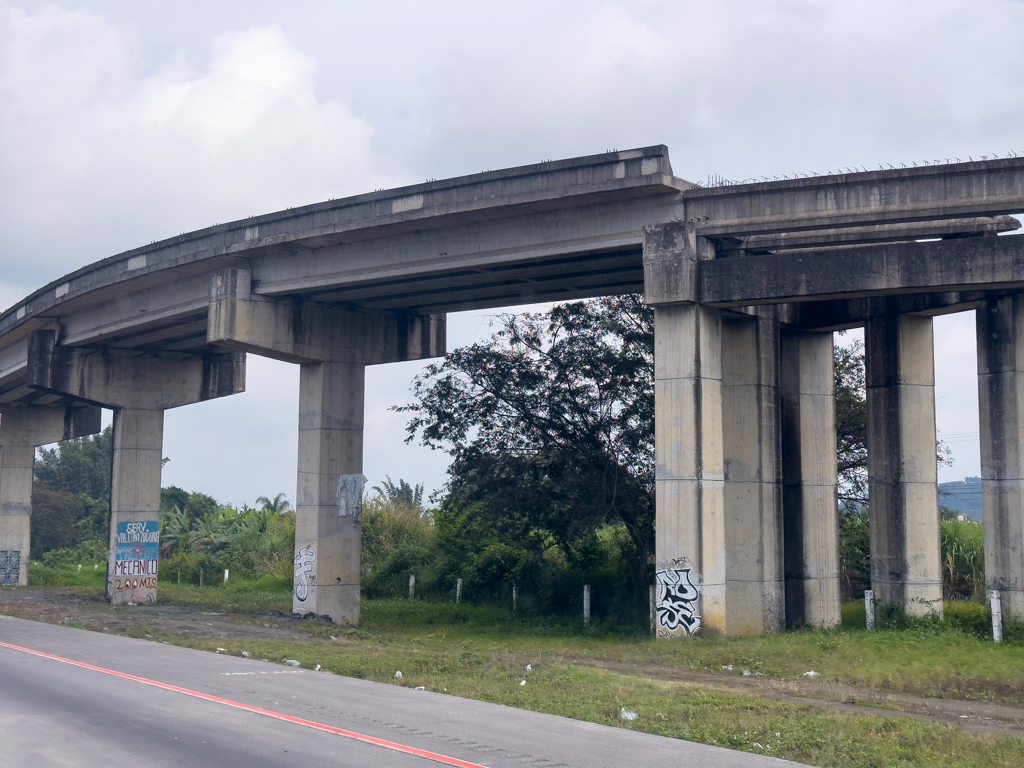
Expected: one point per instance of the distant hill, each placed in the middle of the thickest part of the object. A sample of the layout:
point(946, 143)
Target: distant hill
point(962, 496)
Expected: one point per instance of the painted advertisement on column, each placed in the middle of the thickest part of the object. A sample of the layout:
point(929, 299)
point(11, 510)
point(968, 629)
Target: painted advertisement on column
point(136, 554)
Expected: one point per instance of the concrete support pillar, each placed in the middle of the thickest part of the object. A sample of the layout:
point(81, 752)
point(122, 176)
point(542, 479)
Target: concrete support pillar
point(328, 527)
point(689, 473)
point(752, 494)
point(16, 461)
point(810, 516)
point(1000, 328)
point(21, 430)
point(902, 475)
point(135, 505)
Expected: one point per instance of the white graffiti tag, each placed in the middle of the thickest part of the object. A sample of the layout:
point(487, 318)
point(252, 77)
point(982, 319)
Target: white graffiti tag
point(304, 576)
point(677, 600)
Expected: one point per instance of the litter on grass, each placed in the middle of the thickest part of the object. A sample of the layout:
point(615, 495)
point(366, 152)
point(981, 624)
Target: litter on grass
point(421, 687)
point(746, 673)
point(529, 667)
point(628, 714)
point(812, 673)
point(222, 650)
point(317, 668)
point(246, 655)
point(523, 682)
point(398, 674)
point(293, 663)
point(727, 666)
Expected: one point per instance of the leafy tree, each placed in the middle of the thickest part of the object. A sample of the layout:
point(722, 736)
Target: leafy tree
point(277, 505)
point(54, 521)
point(78, 466)
point(403, 493)
point(550, 427)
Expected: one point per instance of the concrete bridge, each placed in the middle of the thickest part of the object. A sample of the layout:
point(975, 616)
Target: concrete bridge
point(747, 283)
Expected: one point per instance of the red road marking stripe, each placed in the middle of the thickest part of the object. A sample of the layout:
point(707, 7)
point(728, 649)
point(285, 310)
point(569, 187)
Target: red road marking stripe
point(259, 711)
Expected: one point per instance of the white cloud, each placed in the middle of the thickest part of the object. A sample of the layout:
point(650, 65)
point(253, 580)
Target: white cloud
point(99, 155)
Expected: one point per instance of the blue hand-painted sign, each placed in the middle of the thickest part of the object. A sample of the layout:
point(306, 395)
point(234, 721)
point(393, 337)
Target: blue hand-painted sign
point(138, 540)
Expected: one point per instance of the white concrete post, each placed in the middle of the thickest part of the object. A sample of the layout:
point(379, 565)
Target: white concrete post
point(135, 506)
point(412, 587)
point(225, 575)
point(869, 609)
point(997, 615)
point(902, 472)
point(1000, 330)
point(754, 574)
point(653, 603)
point(586, 604)
point(810, 513)
point(328, 510)
point(458, 590)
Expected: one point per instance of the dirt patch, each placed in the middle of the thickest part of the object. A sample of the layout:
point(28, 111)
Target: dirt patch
point(72, 608)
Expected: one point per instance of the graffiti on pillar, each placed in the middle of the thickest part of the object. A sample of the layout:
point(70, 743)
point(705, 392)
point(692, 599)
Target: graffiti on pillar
point(136, 553)
point(350, 496)
point(10, 566)
point(677, 599)
point(304, 576)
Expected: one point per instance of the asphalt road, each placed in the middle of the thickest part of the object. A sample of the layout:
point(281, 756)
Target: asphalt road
point(57, 714)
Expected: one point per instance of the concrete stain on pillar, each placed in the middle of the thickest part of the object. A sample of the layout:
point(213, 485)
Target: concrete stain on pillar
point(305, 578)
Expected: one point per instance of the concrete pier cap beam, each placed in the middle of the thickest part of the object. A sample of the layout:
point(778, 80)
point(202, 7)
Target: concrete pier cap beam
point(139, 388)
point(21, 431)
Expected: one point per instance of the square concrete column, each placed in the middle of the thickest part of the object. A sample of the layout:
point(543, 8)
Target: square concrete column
point(752, 493)
point(810, 513)
point(1000, 328)
point(902, 474)
point(21, 430)
point(689, 473)
point(135, 505)
point(328, 523)
point(16, 461)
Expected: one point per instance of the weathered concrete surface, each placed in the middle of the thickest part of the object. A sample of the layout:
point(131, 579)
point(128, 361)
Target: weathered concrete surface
point(328, 511)
point(134, 498)
point(859, 199)
point(121, 381)
point(1000, 330)
point(689, 470)
point(877, 233)
point(21, 431)
point(902, 472)
point(754, 578)
point(970, 264)
point(810, 518)
point(307, 332)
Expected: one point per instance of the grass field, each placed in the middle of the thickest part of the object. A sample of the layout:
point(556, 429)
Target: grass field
point(584, 673)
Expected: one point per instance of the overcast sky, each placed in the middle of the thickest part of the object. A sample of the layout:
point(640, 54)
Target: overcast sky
point(125, 122)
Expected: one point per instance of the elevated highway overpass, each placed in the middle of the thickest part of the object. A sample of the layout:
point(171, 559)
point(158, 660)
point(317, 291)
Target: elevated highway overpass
point(747, 282)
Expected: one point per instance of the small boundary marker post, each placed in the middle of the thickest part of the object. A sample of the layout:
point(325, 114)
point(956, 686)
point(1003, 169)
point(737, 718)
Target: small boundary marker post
point(995, 601)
